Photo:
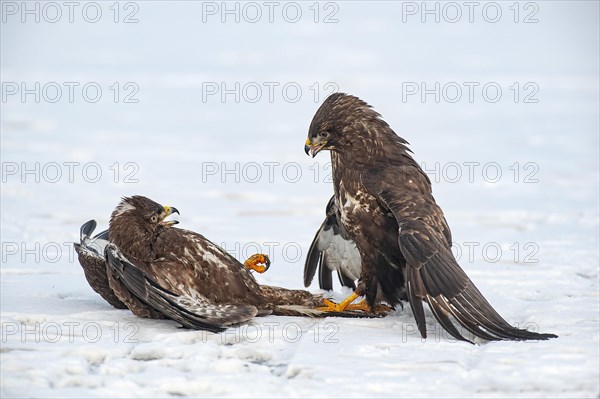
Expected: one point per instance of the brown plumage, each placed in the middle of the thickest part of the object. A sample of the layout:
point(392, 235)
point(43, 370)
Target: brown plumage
point(160, 271)
point(384, 212)
point(90, 252)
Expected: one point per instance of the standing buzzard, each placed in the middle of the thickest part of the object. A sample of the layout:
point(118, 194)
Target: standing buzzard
point(159, 271)
point(384, 216)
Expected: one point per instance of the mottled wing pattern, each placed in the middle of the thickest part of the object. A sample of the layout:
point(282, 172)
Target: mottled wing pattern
point(433, 275)
point(90, 252)
point(192, 311)
point(188, 263)
point(330, 251)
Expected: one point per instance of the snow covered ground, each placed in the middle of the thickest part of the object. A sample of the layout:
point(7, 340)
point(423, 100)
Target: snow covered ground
point(205, 106)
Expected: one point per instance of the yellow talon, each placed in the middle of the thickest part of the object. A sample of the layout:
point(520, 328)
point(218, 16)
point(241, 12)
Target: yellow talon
point(258, 262)
point(337, 307)
point(330, 306)
point(364, 306)
point(347, 304)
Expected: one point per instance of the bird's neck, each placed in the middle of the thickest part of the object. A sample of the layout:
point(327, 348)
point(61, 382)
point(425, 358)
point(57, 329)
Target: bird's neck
point(134, 241)
point(369, 153)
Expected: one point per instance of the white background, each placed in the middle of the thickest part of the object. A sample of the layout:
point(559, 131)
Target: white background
point(177, 142)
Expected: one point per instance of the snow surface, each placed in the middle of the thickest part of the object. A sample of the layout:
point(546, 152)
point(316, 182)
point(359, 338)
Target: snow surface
point(61, 339)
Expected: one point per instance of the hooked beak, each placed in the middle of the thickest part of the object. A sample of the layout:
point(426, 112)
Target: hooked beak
point(309, 146)
point(169, 210)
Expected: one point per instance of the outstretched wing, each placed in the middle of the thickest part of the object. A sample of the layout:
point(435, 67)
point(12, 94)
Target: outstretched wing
point(192, 311)
point(434, 276)
point(332, 250)
point(90, 252)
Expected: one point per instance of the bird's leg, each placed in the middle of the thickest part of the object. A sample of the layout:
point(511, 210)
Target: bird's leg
point(365, 307)
point(347, 304)
point(258, 262)
point(331, 306)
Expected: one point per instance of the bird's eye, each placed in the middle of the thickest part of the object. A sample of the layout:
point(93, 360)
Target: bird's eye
point(324, 133)
point(154, 219)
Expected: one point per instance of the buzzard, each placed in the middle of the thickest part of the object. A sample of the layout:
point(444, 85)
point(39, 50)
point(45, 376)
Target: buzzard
point(384, 218)
point(144, 263)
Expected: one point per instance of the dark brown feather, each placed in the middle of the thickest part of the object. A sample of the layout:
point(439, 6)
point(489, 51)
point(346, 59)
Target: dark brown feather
point(387, 208)
point(185, 264)
point(192, 312)
point(90, 252)
point(159, 271)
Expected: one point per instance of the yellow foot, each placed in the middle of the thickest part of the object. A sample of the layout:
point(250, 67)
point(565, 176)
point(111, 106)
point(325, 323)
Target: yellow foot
point(331, 306)
point(347, 304)
point(258, 262)
point(337, 307)
point(364, 306)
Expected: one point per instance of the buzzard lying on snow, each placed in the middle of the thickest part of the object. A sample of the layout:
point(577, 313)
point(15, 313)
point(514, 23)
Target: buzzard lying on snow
point(384, 227)
point(156, 270)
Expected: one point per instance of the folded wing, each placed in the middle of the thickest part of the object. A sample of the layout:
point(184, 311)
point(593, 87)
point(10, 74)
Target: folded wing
point(192, 311)
point(434, 276)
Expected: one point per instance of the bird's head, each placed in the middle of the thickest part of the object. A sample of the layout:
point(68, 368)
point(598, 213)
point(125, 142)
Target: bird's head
point(144, 210)
point(336, 122)
point(137, 220)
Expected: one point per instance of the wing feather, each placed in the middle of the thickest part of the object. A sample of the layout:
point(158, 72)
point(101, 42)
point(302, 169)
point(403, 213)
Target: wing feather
point(435, 277)
point(194, 312)
point(346, 280)
point(441, 316)
point(90, 253)
point(416, 292)
point(332, 251)
point(325, 280)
